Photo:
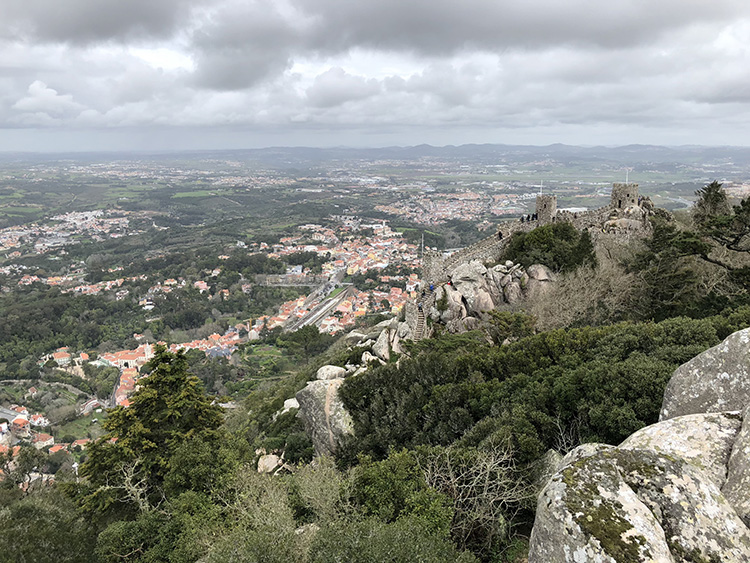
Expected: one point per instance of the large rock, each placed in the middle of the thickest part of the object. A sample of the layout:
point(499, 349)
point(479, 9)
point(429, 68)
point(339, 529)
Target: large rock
point(471, 281)
point(355, 336)
point(512, 293)
point(367, 358)
point(716, 380)
point(382, 346)
point(581, 452)
point(330, 372)
point(587, 512)
point(267, 463)
point(325, 418)
point(404, 331)
point(632, 505)
point(540, 280)
point(737, 486)
point(540, 272)
point(705, 440)
point(448, 305)
point(289, 404)
point(546, 468)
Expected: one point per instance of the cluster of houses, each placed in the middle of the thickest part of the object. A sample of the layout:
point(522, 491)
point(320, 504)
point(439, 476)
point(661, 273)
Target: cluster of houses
point(60, 231)
point(437, 208)
point(18, 421)
point(63, 358)
point(129, 362)
point(346, 251)
point(18, 424)
point(349, 309)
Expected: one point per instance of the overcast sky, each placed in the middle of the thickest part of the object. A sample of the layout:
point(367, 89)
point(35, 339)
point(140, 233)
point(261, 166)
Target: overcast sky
point(159, 74)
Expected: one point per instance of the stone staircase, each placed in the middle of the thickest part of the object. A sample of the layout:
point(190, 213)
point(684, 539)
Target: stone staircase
point(423, 305)
point(421, 324)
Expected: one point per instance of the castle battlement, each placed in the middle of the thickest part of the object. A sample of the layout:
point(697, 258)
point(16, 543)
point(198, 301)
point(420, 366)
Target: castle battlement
point(609, 218)
point(624, 195)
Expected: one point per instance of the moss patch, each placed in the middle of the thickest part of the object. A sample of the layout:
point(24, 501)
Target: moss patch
point(601, 518)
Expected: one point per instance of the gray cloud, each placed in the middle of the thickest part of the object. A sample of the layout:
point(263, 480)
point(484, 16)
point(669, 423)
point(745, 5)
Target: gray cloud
point(241, 44)
point(86, 21)
point(377, 68)
point(446, 26)
point(336, 87)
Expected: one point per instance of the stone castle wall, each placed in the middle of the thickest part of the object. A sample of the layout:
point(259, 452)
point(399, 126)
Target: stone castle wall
point(546, 208)
point(624, 195)
point(436, 267)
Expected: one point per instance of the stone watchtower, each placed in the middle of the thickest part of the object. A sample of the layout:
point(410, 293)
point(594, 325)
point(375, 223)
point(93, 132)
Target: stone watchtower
point(624, 195)
point(546, 208)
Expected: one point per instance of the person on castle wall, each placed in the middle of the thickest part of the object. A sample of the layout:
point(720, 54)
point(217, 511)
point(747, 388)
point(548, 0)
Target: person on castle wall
point(528, 218)
point(499, 235)
point(535, 217)
point(522, 217)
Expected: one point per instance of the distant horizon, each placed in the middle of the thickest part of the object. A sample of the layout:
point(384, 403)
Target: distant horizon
point(364, 147)
point(178, 75)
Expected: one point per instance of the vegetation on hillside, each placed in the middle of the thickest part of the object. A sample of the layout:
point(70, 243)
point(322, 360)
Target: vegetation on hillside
point(449, 442)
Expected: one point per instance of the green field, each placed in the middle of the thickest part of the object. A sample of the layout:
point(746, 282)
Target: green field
point(335, 292)
point(83, 427)
point(197, 193)
point(20, 210)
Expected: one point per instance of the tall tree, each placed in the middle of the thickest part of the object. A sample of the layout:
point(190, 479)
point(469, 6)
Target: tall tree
point(712, 202)
point(135, 462)
point(726, 228)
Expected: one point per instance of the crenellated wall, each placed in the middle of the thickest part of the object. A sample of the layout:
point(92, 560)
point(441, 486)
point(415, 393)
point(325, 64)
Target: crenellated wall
point(618, 217)
point(436, 267)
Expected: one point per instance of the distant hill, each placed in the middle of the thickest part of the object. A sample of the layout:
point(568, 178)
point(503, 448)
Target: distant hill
point(292, 157)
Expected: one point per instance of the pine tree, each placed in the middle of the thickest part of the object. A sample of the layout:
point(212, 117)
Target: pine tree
point(712, 202)
point(133, 463)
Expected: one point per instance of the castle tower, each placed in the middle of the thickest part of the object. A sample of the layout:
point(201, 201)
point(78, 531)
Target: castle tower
point(546, 208)
point(624, 195)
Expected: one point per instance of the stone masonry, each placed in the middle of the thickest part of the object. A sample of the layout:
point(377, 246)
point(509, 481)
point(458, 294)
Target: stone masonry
point(627, 212)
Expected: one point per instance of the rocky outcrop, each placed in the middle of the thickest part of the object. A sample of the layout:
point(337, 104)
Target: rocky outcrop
point(382, 346)
point(705, 440)
point(716, 380)
point(474, 290)
point(673, 491)
point(471, 281)
point(676, 491)
point(325, 418)
point(267, 463)
point(736, 488)
point(330, 372)
point(623, 505)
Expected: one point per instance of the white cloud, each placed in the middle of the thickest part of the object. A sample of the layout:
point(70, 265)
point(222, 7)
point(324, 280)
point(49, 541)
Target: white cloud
point(44, 105)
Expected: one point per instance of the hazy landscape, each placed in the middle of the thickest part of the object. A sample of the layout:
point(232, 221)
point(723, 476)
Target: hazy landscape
point(365, 282)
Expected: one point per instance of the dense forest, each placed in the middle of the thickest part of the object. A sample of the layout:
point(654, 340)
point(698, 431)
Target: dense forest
point(450, 439)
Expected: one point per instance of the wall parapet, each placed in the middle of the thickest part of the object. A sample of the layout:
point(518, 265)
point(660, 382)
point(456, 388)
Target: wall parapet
point(436, 267)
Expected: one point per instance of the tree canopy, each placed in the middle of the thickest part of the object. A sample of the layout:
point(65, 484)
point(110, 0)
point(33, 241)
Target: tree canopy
point(169, 417)
point(560, 246)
